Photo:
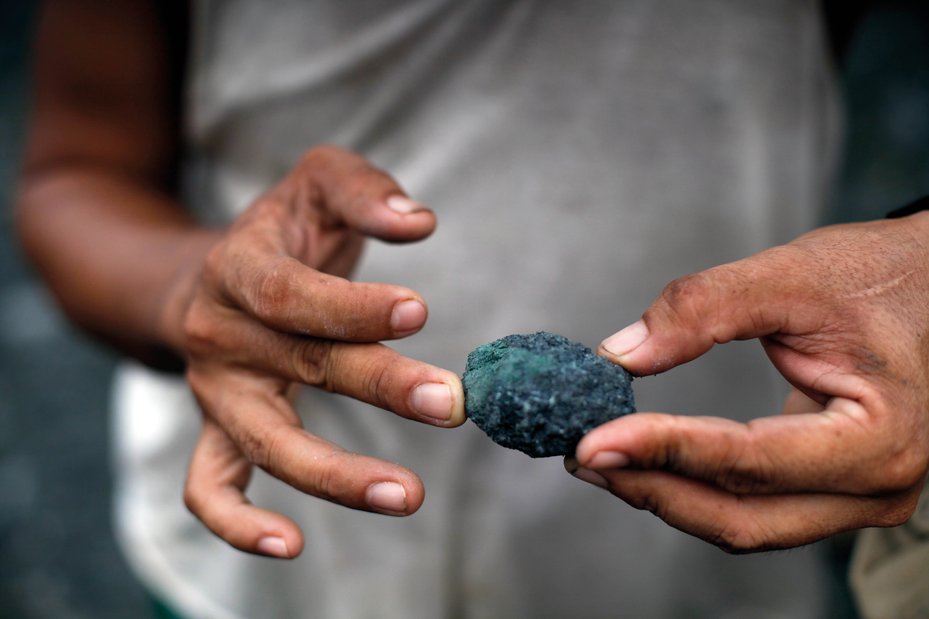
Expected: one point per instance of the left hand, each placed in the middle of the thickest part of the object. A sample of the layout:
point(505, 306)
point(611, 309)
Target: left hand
point(843, 314)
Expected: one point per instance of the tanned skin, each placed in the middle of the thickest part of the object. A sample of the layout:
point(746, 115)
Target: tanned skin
point(263, 305)
point(250, 310)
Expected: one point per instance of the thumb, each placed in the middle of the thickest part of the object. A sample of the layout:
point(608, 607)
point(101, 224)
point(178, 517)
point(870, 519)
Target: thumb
point(741, 300)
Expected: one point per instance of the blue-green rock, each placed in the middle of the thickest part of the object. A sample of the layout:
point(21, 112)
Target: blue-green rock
point(540, 393)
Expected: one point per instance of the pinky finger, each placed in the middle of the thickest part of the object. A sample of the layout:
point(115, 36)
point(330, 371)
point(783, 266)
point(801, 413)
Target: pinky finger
point(214, 493)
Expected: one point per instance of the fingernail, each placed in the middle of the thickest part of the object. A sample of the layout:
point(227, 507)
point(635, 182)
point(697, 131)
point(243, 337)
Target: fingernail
point(608, 460)
point(407, 317)
point(591, 477)
point(387, 497)
point(274, 546)
point(627, 340)
point(402, 204)
point(432, 400)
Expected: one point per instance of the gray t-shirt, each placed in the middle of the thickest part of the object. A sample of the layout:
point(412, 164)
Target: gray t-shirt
point(579, 156)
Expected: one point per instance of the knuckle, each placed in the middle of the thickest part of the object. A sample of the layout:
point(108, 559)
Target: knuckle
point(323, 480)
point(896, 512)
point(261, 447)
point(741, 467)
point(274, 206)
point(273, 289)
point(312, 157)
point(904, 470)
point(220, 272)
point(328, 159)
point(320, 161)
point(647, 501)
point(896, 517)
point(739, 480)
point(311, 360)
point(272, 455)
point(200, 329)
point(378, 384)
point(679, 298)
point(737, 530)
point(735, 463)
point(667, 452)
point(735, 538)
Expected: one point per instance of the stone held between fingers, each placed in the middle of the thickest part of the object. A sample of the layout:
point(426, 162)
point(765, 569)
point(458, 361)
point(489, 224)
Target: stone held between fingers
point(541, 393)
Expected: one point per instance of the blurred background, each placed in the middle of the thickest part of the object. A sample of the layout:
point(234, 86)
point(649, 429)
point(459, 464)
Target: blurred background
point(57, 554)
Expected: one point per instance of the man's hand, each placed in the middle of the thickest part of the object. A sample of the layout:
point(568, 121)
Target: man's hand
point(843, 314)
point(251, 311)
point(269, 310)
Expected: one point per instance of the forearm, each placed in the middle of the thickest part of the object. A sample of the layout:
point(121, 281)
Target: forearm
point(94, 212)
point(117, 253)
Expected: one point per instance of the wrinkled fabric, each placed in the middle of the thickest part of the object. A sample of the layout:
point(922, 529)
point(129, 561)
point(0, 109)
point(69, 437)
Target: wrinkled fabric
point(579, 155)
point(890, 568)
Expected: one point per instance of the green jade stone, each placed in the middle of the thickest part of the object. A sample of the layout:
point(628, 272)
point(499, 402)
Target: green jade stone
point(541, 393)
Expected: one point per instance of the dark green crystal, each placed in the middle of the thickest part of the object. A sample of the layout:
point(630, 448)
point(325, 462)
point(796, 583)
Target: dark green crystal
point(541, 393)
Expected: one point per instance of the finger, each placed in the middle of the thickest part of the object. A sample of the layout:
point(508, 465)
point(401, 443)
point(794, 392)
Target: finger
point(351, 191)
point(733, 301)
point(216, 480)
point(838, 450)
point(266, 429)
point(287, 295)
point(372, 373)
point(747, 523)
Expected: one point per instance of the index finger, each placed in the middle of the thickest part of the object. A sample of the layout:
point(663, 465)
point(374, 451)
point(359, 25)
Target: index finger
point(842, 449)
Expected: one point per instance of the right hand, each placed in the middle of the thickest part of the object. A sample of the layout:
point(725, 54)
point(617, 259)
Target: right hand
point(270, 309)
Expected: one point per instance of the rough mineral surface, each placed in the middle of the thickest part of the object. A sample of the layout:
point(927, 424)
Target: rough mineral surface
point(541, 393)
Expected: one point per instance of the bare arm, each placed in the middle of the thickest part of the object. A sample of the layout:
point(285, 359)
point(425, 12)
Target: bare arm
point(96, 213)
point(249, 310)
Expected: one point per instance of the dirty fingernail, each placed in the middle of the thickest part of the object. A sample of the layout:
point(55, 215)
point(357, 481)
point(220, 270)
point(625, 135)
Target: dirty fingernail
point(402, 204)
point(627, 340)
point(407, 317)
point(273, 546)
point(608, 460)
point(387, 497)
point(432, 400)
